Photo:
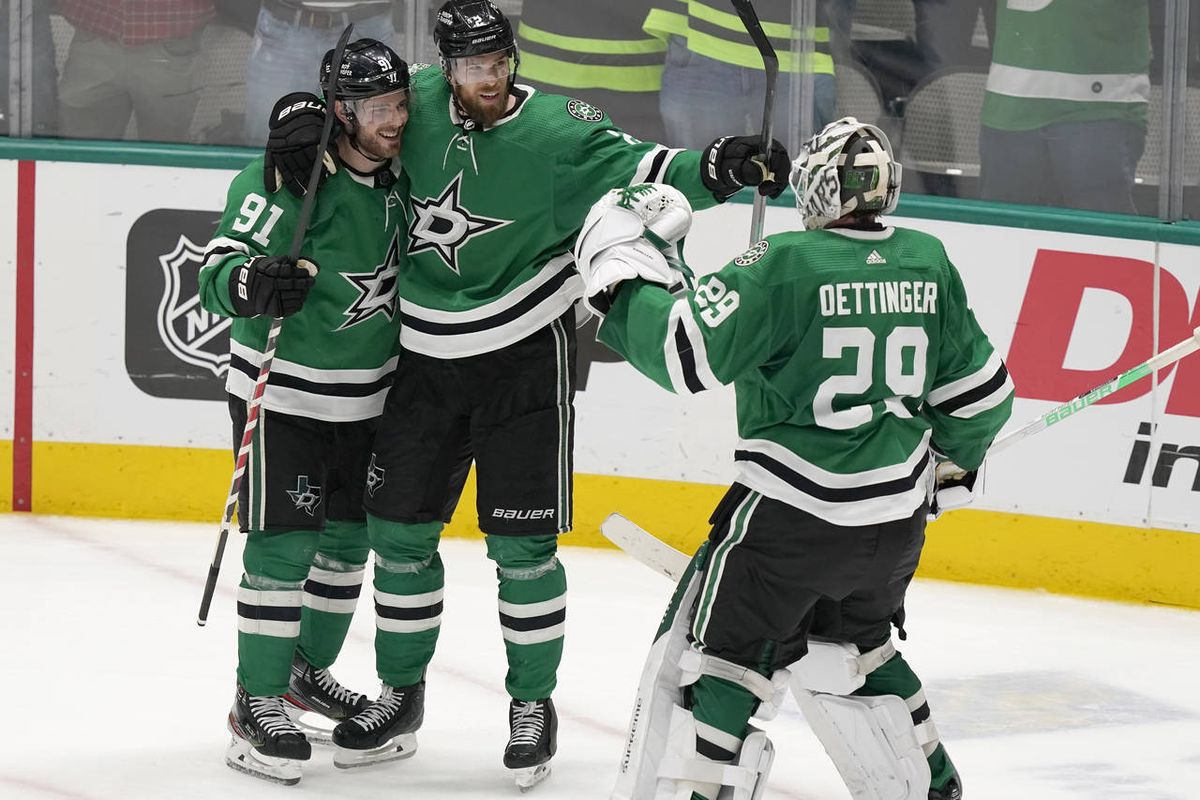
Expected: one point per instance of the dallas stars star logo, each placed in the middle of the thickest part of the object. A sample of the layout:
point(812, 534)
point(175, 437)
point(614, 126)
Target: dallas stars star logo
point(306, 496)
point(376, 289)
point(443, 225)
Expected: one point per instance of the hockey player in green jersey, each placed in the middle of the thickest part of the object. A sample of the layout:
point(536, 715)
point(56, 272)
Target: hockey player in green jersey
point(502, 176)
point(301, 508)
point(856, 360)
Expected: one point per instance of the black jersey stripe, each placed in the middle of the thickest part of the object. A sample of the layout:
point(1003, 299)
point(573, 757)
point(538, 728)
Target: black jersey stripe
point(276, 613)
point(520, 309)
point(417, 612)
point(656, 166)
point(311, 387)
point(333, 592)
point(687, 359)
point(830, 494)
point(992, 384)
point(712, 751)
point(533, 623)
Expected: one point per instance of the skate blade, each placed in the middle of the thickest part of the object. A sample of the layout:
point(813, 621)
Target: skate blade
point(529, 777)
point(242, 757)
point(316, 734)
point(400, 747)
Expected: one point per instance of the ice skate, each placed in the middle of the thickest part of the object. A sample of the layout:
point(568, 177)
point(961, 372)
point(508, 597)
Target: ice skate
point(314, 696)
point(384, 731)
point(951, 791)
point(265, 744)
point(532, 740)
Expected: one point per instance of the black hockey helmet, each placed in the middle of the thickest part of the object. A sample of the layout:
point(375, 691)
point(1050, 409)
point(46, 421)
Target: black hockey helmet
point(369, 68)
point(473, 28)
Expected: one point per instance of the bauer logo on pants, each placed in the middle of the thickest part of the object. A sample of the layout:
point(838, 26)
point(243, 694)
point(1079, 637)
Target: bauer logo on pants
point(173, 347)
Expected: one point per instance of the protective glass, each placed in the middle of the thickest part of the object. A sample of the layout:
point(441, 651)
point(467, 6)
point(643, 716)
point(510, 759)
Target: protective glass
point(382, 109)
point(470, 70)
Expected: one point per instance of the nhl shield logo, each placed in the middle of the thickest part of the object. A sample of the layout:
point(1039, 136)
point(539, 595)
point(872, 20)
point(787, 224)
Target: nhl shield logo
point(191, 333)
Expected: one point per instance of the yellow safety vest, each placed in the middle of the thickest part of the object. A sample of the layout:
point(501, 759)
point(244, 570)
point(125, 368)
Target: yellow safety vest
point(596, 46)
point(718, 33)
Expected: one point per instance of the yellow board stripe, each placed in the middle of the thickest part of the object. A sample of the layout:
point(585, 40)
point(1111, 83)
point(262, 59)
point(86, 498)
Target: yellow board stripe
point(6, 475)
point(1070, 557)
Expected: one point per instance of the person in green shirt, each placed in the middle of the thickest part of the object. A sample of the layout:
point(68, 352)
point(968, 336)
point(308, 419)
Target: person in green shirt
point(501, 176)
point(300, 503)
point(1064, 116)
point(857, 364)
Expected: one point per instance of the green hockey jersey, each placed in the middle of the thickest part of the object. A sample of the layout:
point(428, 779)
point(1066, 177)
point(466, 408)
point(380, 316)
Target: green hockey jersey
point(852, 354)
point(496, 212)
point(1068, 61)
point(335, 357)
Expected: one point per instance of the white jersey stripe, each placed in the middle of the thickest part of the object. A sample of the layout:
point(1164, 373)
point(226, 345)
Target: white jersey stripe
point(986, 403)
point(536, 636)
point(407, 625)
point(940, 394)
point(525, 610)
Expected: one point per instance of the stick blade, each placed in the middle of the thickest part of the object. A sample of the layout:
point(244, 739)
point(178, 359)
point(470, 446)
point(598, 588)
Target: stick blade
point(644, 546)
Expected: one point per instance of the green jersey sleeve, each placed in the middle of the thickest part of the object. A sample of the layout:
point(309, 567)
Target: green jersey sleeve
point(604, 157)
point(697, 340)
point(253, 224)
point(971, 395)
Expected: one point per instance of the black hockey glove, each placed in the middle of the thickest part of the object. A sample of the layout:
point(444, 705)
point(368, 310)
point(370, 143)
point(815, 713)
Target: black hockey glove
point(295, 133)
point(272, 286)
point(729, 163)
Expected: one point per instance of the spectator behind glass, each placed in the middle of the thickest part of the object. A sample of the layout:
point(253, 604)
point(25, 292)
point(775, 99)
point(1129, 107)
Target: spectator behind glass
point(945, 30)
point(1064, 118)
point(713, 82)
point(290, 37)
point(45, 74)
point(131, 58)
point(598, 53)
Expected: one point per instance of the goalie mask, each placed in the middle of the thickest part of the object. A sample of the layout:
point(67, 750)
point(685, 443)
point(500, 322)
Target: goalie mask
point(847, 168)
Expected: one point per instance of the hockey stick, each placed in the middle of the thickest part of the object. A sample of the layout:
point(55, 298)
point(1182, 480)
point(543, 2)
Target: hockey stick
point(745, 10)
point(264, 371)
point(1073, 407)
point(666, 560)
point(644, 546)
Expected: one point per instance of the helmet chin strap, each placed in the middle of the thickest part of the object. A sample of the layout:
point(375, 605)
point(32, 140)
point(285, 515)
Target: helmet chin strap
point(352, 139)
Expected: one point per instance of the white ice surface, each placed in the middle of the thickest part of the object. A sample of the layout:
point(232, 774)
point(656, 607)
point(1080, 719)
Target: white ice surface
point(112, 692)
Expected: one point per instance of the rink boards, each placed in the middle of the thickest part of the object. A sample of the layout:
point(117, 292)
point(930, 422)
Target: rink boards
point(112, 403)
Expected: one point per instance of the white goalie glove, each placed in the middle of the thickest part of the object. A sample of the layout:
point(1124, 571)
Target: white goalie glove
point(953, 487)
point(634, 232)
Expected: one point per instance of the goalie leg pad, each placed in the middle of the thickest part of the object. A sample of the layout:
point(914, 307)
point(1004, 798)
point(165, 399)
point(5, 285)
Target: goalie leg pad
point(659, 697)
point(878, 750)
point(660, 760)
point(684, 772)
point(872, 742)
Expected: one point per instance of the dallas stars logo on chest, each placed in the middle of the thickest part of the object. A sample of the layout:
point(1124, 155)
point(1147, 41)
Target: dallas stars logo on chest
point(444, 225)
point(376, 289)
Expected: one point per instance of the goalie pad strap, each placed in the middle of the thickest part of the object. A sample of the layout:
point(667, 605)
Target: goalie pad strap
point(694, 664)
point(838, 668)
point(698, 771)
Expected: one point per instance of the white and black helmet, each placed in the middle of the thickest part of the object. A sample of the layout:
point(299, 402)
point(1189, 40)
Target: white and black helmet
point(847, 168)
